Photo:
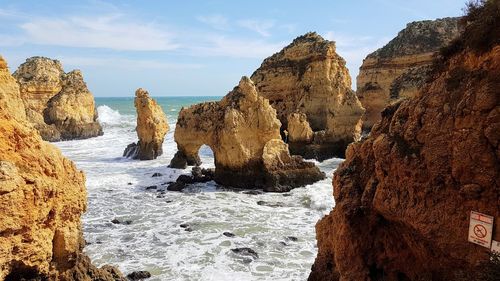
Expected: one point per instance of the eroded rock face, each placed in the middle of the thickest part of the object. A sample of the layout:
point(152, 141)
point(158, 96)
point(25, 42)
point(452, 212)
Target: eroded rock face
point(244, 134)
point(400, 68)
point(59, 104)
point(42, 195)
point(309, 78)
point(403, 196)
point(152, 125)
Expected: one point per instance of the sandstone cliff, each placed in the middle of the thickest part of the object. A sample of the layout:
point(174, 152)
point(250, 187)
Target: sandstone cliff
point(403, 196)
point(308, 77)
point(401, 67)
point(59, 104)
point(42, 196)
point(244, 134)
point(152, 125)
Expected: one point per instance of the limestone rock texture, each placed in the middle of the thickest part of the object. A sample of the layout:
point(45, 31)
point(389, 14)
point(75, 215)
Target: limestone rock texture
point(404, 195)
point(244, 134)
point(42, 196)
point(59, 104)
point(152, 126)
point(309, 78)
point(397, 70)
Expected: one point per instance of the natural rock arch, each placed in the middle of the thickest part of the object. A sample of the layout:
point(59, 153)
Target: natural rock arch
point(244, 134)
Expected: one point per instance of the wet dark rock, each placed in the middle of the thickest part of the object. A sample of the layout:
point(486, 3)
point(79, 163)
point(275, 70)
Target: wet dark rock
point(184, 225)
point(253, 192)
point(151, 187)
point(292, 238)
point(176, 186)
point(131, 151)
point(186, 179)
point(246, 252)
point(139, 275)
point(117, 221)
point(228, 234)
point(129, 183)
point(169, 201)
point(287, 194)
point(270, 204)
point(283, 243)
point(157, 175)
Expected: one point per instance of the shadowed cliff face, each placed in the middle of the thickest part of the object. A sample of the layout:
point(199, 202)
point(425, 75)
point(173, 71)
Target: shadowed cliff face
point(400, 68)
point(59, 104)
point(309, 78)
point(403, 196)
point(243, 132)
point(42, 196)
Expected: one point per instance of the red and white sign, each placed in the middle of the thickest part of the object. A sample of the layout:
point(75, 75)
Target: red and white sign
point(480, 229)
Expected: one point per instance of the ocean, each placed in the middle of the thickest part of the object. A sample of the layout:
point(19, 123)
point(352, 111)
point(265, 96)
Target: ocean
point(152, 238)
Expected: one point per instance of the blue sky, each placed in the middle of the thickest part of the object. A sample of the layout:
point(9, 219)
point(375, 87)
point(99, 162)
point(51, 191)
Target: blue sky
point(181, 48)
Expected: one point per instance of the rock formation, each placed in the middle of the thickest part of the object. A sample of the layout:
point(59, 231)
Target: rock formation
point(403, 196)
point(401, 67)
point(42, 196)
point(244, 134)
point(152, 125)
point(59, 104)
point(310, 79)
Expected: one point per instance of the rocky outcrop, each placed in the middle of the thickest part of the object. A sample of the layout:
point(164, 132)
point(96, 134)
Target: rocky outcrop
point(404, 195)
point(400, 68)
point(42, 195)
point(59, 104)
point(152, 125)
point(244, 134)
point(310, 79)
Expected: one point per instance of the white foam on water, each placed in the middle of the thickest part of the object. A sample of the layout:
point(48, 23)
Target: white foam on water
point(154, 241)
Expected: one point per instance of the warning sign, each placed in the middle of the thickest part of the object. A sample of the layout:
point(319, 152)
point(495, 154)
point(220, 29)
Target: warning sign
point(480, 228)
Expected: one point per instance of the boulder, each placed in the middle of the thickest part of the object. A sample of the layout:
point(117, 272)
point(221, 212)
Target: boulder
point(400, 68)
point(403, 196)
point(152, 126)
point(43, 196)
point(244, 134)
point(59, 104)
point(309, 85)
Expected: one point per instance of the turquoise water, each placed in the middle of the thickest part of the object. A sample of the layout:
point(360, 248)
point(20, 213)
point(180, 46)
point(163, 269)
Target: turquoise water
point(170, 105)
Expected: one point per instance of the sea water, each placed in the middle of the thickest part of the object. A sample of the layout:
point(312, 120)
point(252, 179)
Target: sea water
point(153, 240)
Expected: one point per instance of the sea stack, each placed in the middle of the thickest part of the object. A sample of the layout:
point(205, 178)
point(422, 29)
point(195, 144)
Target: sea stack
point(59, 104)
point(43, 196)
point(400, 68)
point(244, 134)
point(404, 195)
point(152, 125)
point(308, 80)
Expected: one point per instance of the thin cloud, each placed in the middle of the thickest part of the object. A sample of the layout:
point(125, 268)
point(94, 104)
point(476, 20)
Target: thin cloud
point(108, 31)
point(124, 63)
point(236, 48)
point(262, 27)
point(215, 21)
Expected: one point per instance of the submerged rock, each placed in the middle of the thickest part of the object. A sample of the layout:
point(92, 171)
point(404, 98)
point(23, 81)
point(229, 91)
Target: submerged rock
point(309, 85)
point(42, 198)
point(151, 128)
point(400, 68)
point(59, 104)
point(228, 234)
point(244, 134)
point(246, 252)
point(138, 275)
point(399, 211)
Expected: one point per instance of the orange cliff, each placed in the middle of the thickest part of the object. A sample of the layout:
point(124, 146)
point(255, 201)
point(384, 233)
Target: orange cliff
point(404, 195)
point(398, 70)
point(42, 196)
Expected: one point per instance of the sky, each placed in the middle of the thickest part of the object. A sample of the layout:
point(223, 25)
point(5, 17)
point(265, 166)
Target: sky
point(194, 48)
